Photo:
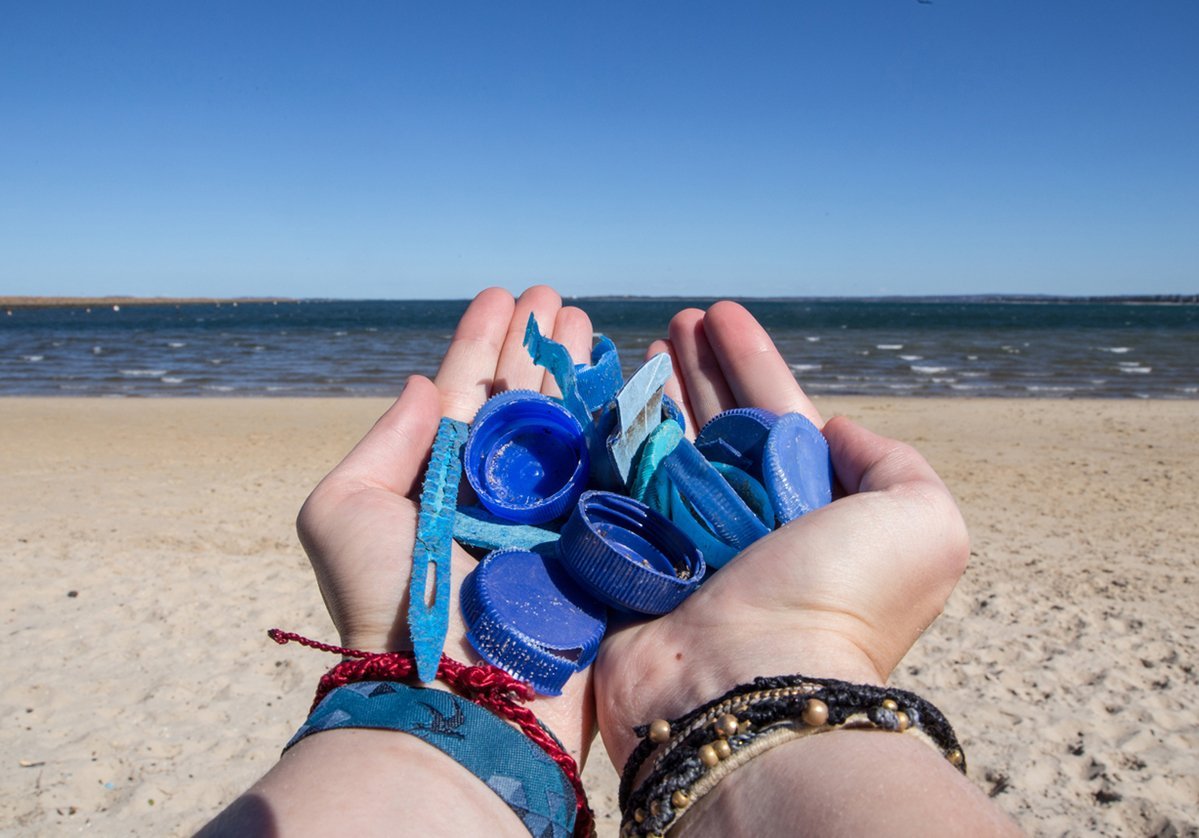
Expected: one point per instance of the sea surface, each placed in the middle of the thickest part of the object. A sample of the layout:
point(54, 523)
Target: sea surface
point(998, 348)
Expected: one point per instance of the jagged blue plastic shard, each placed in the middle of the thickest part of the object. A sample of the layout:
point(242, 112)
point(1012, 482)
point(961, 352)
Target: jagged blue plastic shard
point(477, 527)
point(556, 359)
point(600, 382)
point(639, 411)
point(429, 619)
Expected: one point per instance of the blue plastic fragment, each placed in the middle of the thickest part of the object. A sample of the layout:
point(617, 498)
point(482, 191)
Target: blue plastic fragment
point(599, 382)
point(429, 619)
point(639, 410)
point(658, 445)
point(525, 614)
point(796, 468)
point(713, 500)
point(556, 359)
point(475, 526)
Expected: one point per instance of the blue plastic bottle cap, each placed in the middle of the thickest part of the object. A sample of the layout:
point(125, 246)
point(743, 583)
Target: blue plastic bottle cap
point(628, 556)
point(527, 616)
point(526, 457)
point(796, 468)
point(737, 437)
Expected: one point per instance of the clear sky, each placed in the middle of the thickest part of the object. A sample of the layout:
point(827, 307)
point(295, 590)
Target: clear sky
point(392, 150)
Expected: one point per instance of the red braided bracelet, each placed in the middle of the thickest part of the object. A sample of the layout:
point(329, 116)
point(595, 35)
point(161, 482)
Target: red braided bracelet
point(485, 685)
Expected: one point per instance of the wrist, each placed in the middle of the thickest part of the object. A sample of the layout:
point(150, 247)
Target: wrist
point(684, 673)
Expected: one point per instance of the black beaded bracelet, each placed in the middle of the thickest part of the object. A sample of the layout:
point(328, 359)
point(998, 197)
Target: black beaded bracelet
point(702, 747)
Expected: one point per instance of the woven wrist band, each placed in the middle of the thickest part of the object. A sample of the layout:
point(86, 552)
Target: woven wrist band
point(528, 768)
point(702, 747)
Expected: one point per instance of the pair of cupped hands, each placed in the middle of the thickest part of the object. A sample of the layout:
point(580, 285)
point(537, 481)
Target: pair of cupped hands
point(842, 592)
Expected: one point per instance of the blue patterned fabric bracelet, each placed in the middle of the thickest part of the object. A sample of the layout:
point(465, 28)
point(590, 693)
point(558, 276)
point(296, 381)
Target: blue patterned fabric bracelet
point(511, 765)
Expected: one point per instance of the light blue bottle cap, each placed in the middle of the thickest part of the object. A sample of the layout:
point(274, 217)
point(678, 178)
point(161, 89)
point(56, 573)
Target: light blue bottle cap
point(526, 615)
point(796, 468)
point(526, 457)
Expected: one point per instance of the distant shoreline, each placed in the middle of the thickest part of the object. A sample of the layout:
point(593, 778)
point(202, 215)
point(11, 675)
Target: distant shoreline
point(11, 302)
point(63, 302)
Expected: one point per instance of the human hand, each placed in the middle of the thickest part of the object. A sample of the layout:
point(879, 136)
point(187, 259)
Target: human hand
point(359, 524)
point(841, 592)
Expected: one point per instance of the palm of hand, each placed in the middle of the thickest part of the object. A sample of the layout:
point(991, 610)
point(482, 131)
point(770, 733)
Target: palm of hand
point(842, 592)
point(359, 525)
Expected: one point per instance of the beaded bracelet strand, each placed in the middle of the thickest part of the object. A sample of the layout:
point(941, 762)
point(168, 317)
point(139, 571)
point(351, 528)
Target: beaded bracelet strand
point(485, 685)
point(702, 747)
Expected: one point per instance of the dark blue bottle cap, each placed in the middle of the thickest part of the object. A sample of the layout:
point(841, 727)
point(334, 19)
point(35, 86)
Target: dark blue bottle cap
point(526, 457)
point(796, 468)
point(527, 616)
point(737, 437)
point(628, 556)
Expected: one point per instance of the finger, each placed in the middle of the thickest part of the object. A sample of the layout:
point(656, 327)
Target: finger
point(755, 371)
point(674, 384)
point(867, 462)
point(516, 370)
point(391, 454)
point(572, 329)
point(697, 366)
point(466, 373)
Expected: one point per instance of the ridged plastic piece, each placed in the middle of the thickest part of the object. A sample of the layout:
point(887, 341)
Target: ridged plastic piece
point(658, 445)
point(796, 468)
point(475, 526)
point(628, 556)
point(717, 553)
point(737, 437)
point(526, 457)
point(429, 621)
point(600, 381)
point(715, 503)
point(525, 614)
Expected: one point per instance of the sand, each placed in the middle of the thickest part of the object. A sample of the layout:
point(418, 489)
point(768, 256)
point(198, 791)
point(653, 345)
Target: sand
point(149, 544)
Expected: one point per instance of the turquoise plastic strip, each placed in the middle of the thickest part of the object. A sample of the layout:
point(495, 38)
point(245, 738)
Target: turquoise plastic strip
point(428, 623)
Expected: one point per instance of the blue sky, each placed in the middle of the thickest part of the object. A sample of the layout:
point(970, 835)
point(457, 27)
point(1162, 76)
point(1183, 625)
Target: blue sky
point(392, 150)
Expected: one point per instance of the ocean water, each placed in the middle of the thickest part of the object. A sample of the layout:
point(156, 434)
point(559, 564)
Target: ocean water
point(994, 348)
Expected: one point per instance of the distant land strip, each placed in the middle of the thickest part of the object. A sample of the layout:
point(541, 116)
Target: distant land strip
point(50, 302)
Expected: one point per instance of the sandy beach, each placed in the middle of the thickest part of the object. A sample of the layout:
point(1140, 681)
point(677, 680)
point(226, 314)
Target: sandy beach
point(149, 545)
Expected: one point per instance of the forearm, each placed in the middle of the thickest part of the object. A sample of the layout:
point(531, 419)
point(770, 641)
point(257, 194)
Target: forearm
point(846, 782)
point(366, 782)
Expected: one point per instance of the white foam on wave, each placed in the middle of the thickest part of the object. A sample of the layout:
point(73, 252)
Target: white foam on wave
point(143, 373)
point(888, 346)
point(1134, 369)
point(340, 333)
point(1116, 350)
point(1049, 388)
point(912, 357)
point(34, 358)
point(902, 386)
point(219, 388)
point(176, 344)
point(806, 367)
point(96, 350)
point(928, 370)
point(812, 339)
point(172, 379)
